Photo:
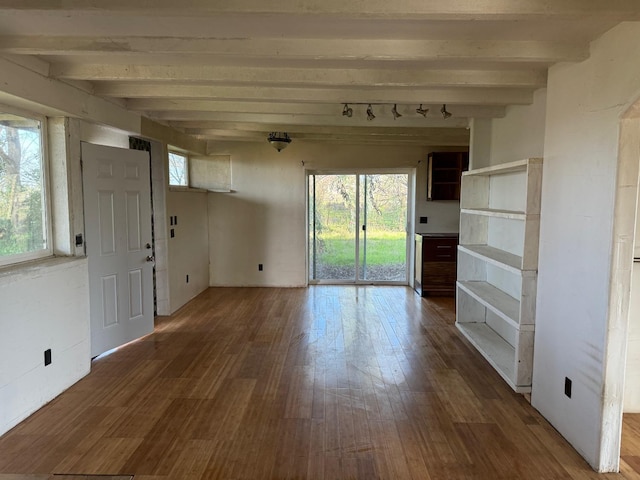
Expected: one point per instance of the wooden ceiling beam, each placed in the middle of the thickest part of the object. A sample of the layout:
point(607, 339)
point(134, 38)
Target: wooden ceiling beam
point(185, 109)
point(532, 51)
point(313, 77)
point(401, 9)
point(467, 96)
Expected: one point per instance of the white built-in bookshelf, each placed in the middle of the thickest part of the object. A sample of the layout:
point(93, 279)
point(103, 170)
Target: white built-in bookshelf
point(498, 265)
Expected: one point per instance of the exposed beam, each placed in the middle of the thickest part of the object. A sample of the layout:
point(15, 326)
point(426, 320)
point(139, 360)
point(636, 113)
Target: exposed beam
point(262, 129)
point(383, 118)
point(300, 48)
point(181, 109)
point(433, 9)
point(469, 96)
point(455, 137)
point(349, 140)
point(344, 77)
point(18, 81)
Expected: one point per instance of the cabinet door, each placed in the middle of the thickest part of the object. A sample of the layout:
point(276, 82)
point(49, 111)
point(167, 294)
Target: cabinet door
point(444, 170)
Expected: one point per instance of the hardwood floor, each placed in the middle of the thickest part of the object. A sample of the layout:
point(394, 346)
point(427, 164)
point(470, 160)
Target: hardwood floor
point(320, 383)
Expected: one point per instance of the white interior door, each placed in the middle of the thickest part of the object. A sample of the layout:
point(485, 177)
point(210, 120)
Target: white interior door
point(117, 206)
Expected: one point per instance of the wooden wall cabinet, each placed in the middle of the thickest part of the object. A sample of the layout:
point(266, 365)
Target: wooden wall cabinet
point(435, 268)
point(444, 170)
point(498, 265)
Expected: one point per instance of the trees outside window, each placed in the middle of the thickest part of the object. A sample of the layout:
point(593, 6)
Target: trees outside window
point(23, 212)
point(178, 170)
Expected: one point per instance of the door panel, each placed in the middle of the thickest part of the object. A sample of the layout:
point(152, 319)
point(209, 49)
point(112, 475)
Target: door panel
point(117, 224)
point(333, 220)
point(383, 250)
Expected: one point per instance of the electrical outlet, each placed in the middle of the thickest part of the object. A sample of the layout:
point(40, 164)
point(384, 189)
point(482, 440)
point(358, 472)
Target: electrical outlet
point(187, 278)
point(259, 267)
point(567, 386)
point(47, 357)
point(424, 219)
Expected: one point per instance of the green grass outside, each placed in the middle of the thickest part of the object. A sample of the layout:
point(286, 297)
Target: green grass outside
point(383, 248)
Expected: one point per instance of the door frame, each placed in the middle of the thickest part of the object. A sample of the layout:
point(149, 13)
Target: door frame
point(410, 222)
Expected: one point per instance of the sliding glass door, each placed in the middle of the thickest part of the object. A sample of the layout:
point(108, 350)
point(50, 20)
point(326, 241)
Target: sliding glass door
point(358, 227)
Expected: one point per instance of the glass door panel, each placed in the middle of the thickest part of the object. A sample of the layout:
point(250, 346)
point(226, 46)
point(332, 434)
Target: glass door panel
point(332, 218)
point(383, 232)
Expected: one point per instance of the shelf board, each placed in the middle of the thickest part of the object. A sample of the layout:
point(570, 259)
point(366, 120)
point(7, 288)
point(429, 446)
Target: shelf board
point(495, 350)
point(495, 256)
point(503, 305)
point(517, 166)
point(492, 212)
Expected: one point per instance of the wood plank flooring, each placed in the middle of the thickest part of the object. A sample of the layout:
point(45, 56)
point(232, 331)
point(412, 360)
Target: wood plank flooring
point(321, 383)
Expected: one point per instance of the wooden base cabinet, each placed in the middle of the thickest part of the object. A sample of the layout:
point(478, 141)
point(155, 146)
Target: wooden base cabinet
point(498, 265)
point(436, 255)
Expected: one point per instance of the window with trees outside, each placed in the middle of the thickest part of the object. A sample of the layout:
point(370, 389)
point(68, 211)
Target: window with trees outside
point(178, 170)
point(23, 195)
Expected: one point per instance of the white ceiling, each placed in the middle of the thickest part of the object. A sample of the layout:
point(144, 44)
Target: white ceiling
point(236, 70)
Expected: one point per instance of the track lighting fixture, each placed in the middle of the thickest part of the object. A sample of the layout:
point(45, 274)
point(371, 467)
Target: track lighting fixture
point(444, 112)
point(422, 111)
point(370, 115)
point(347, 111)
point(279, 140)
point(394, 111)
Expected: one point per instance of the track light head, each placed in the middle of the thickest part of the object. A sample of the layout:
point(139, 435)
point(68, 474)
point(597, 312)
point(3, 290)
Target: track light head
point(444, 112)
point(394, 111)
point(347, 111)
point(370, 115)
point(422, 111)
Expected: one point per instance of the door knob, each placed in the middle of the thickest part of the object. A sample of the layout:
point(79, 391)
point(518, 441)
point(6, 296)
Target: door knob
point(148, 246)
point(150, 258)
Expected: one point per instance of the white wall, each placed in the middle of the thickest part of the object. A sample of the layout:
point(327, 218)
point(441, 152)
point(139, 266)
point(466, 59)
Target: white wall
point(520, 133)
point(189, 248)
point(584, 105)
point(264, 219)
point(45, 306)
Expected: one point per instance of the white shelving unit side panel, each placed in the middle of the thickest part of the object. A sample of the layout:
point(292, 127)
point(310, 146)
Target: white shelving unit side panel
point(473, 229)
point(531, 239)
point(474, 192)
point(534, 186)
point(528, 298)
point(471, 268)
point(524, 358)
point(471, 311)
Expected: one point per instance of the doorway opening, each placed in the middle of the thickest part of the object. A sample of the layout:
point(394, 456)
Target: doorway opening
point(359, 227)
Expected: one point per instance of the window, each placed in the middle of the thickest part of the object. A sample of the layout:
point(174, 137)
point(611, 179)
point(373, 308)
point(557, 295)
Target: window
point(178, 170)
point(23, 195)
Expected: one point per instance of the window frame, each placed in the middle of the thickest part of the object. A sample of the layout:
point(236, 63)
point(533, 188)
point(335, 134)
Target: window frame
point(10, 260)
point(174, 151)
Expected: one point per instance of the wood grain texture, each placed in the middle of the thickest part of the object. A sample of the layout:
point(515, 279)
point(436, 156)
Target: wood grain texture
point(320, 383)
